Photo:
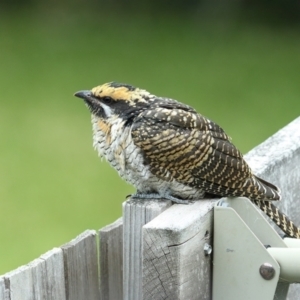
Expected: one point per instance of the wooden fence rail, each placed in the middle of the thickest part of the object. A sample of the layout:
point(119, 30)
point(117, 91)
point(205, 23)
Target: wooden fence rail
point(68, 272)
point(156, 251)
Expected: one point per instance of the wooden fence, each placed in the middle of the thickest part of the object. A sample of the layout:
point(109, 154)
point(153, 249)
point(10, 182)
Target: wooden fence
point(156, 250)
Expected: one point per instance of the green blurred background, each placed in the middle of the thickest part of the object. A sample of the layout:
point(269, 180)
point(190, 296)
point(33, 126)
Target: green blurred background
point(237, 62)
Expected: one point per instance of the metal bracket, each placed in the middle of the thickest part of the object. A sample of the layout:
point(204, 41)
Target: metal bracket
point(250, 261)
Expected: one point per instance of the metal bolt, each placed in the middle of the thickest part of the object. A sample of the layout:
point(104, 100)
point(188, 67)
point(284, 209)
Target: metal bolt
point(207, 249)
point(267, 271)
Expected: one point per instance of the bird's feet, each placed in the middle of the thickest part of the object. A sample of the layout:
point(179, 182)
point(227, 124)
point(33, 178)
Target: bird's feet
point(159, 197)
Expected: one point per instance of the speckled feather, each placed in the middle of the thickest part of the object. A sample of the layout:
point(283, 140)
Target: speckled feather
point(162, 146)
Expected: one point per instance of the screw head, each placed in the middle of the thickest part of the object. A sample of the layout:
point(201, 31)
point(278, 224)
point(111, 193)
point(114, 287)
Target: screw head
point(267, 271)
point(207, 249)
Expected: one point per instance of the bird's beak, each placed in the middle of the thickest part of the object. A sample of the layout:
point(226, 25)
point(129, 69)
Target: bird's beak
point(83, 94)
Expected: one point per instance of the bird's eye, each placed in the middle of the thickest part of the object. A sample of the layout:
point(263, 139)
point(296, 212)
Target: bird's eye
point(107, 99)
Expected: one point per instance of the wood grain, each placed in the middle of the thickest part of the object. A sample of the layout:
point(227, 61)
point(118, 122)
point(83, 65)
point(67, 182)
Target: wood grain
point(174, 263)
point(136, 213)
point(111, 261)
point(81, 268)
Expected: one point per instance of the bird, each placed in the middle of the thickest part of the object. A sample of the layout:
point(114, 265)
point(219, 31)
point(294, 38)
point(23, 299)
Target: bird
point(167, 150)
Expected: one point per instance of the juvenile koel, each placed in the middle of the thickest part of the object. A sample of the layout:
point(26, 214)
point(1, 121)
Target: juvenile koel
point(165, 149)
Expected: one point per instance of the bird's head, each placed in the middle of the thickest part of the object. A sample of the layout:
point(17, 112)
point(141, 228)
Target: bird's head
point(115, 98)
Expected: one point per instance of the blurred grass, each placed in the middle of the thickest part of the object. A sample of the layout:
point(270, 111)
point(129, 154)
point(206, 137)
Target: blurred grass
point(243, 76)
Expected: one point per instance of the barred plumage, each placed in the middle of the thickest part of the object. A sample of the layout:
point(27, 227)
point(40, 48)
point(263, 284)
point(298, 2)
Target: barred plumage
point(168, 150)
point(279, 218)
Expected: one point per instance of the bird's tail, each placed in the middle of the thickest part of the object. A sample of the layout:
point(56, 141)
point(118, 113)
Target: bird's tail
point(280, 219)
point(265, 190)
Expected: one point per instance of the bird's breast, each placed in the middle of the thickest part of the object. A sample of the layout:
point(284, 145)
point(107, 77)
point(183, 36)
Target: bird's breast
point(113, 141)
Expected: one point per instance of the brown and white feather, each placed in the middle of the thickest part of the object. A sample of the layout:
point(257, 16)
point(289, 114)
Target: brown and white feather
point(163, 146)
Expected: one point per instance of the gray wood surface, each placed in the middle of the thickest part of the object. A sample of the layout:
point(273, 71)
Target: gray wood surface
point(136, 213)
point(81, 267)
point(174, 263)
point(2, 289)
point(43, 278)
point(111, 261)
point(20, 284)
point(50, 275)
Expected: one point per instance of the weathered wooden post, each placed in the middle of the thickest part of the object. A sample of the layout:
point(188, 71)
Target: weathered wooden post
point(135, 215)
point(69, 272)
point(111, 261)
point(175, 264)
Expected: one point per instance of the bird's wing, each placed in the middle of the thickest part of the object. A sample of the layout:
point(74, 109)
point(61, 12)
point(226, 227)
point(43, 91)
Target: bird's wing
point(180, 144)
